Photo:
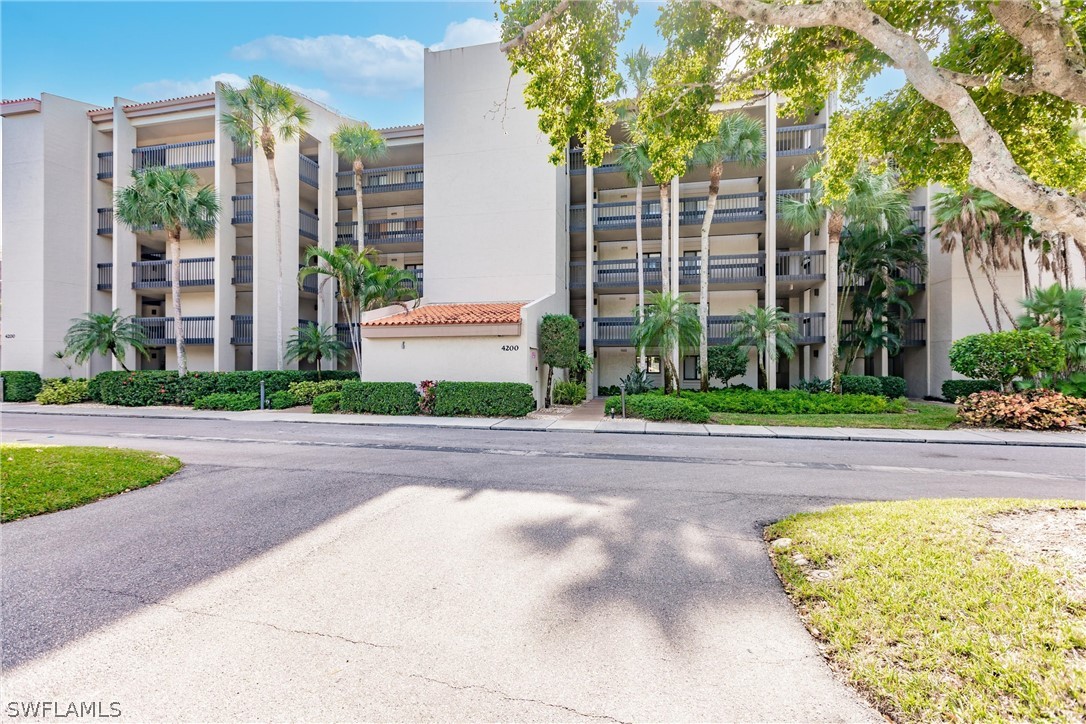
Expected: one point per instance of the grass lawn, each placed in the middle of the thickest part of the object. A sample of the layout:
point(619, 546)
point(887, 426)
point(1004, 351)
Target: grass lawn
point(37, 479)
point(933, 622)
point(920, 416)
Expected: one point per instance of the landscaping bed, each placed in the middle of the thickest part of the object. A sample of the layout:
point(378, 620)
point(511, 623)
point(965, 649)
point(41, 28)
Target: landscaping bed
point(43, 479)
point(916, 416)
point(944, 610)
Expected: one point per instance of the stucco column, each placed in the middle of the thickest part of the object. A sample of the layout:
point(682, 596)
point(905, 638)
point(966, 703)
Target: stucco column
point(125, 244)
point(832, 272)
point(328, 211)
point(225, 244)
point(771, 226)
point(673, 271)
point(590, 277)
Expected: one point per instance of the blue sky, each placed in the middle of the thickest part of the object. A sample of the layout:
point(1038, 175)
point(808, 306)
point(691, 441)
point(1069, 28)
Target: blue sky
point(362, 58)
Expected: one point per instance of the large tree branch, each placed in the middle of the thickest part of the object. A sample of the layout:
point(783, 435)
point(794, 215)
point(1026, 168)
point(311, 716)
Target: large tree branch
point(1059, 64)
point(1015, 86)
point(530, 28)
point(992, 168)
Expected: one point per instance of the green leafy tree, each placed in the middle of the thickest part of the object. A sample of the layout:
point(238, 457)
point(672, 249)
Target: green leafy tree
point(770, 332)
point(559, 346)
point(727, 361)
point(1062, 312)
point(170, 198)
point(738, 139)
point(109, 334)
point(1007, 356)
point(361, 283)
point(313, 343)
point(262, 114)
point(670, 325)
point(363, 145)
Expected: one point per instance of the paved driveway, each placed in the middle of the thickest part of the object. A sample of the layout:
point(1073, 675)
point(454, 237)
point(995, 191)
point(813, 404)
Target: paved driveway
point(310, 572)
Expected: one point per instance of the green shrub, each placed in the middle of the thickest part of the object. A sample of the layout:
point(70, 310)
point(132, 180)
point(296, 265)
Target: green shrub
point(609, 390)
point(793, 402)
point(1004, 356)
point(139, 389)
point(63, 391)
point(379, 398)
point(1028, 410)
point(20, 386)
point(953, 389)
point(655, 407)
point(327, 402)
point(228, 401)
point(860, 385)
point(637, 382)
point(157, 387)
point(306, 392)
point(727, 361)
point(568, 393)
point(281, 400)
point(483, 399)
point(815, 384)
point(893, 387)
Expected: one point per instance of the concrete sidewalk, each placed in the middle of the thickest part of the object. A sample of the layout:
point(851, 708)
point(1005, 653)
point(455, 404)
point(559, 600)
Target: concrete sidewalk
point(618, 426)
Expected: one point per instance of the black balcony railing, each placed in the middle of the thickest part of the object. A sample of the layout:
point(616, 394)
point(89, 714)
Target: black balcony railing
point(105, 276)
point(242, 154)
point(105, 165)
point(801, 265)
point(242, 333)
point(243, 269)
point(105, 221)
point(394, 231)
point(308, 171)
point(307, 224)
point(800, 140)
point(343, 333)
point(311, 283)
point(723, 269)
point(918, 215)
point(243, 209)
point(191, 154)
point(160, 330)
point(915, 333)
point(799, 195)
point(346, 233)
point(577, 168)
point(810, 327)
point(416, 283)
point(915, 273)
point(616, 331)
point(620, 214)
point(198, 272)
point(381, 180)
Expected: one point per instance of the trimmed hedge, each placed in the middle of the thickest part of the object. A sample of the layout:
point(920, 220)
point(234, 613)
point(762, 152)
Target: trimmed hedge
point(281, 400)
point(659, 407)
point(328, 402)
point(793, 402)
point(380, 398)
point(953, 389)
point(20, 386)
point(860, 385)
point(157, 387)
point(893, 387)
point(483, 399)
point(62, 391)
point(228, 401)
point(306, 392)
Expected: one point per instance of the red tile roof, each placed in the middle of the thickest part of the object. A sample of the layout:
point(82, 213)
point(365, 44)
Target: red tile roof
point(164, 101)
point(431, 314)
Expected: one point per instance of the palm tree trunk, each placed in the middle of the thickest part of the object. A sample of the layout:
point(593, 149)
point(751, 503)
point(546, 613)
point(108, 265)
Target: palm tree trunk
point(119, 358)
point(356, 341)
point(175, 289)
point(358, 169)
point(715, 173)
point(997, 298)
point(1025, 270)
point(665, 235)
point(278, 260)
point(640, 267)
point(976, 293)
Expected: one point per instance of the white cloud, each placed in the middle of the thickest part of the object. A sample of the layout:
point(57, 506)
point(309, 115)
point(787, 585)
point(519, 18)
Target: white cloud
point(168, 88)
point(473, 31)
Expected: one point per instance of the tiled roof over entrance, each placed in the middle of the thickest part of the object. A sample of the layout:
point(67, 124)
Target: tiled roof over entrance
point(433, 314)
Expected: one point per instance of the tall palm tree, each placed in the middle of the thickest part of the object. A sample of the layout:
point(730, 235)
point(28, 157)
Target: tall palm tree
point(262, 114)
point(312, 343)
point(670, 325)
point(363, 145)
point(170, 198)
point(634, 160)
point(769, 330)
point(362, 285)
point(739, 139)
point(1063, 312)
point(873, 199)
point(111, 334)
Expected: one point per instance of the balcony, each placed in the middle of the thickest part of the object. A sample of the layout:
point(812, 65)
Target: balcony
point(918, 215)
point(913, 333)
point(311, 283)
point(914, 273)
point(157, 274)
point(381, 231)
point(243, 269)
point(160, 330)
point(242, 333)
point(346, 233)
point(620, 215)
point(800, 140)
point(616, 331)
point(243, 209)
point(105, 276)
point(308, 171)
point(307, 225)
point(242, 154)
point(723, 269)
point(105, 165)
point(343, 334)
point(381, 180)
point(191, 154)
point(105, 222)
point(416, 284)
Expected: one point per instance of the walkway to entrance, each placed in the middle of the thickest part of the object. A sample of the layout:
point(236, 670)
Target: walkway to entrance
point(591, 410)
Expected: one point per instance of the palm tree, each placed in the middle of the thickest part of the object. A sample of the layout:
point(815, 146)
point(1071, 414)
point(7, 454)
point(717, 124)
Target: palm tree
point(1063, 312)
point(872, 199)
point(670, 325)
point(739, 139)
point(312, 343)
point(769, 331)
point(363, 145)
point(170, 198)
point(362, 284)
point(261, 114)
point(109, 334)
point(634, 160)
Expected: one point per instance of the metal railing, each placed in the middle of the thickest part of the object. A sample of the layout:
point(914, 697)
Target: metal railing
point(801, 265)
point(243, 209)
point(105, 276)
point(307, 224)
point(799, 195)
point(191, 154)
point(800, 140)
point(160, 330)
point(394, 231)
point(242, 332)
point(311, 283)
point(105, 221)
point(198, 272)
point(915, 333)
point(620, 214)
point(723, 269)
point(243, 269)
point(810, 327)
point(346, 233)
point(105, 165)
point(918, 215)
point(914, 273)
point(380, 180)
point(242, 154)
point(343, 333)
point(577, 168)
point(417, 283)
point(308, 171)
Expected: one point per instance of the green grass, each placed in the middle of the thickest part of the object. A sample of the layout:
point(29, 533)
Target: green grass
point(918, 416)
point(37, 479)
point(927, 618)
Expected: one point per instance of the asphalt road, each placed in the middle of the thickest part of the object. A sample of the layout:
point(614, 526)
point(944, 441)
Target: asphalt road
point(320, 572)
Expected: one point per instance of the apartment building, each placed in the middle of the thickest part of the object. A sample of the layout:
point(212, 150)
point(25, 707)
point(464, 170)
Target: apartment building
point(506, 237)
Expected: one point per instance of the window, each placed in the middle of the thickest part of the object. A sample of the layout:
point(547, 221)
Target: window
point(653, 365)
point(691, 367)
